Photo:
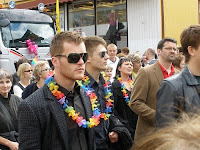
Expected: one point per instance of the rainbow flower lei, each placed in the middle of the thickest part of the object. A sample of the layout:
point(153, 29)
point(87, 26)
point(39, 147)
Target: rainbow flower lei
point(123, 89)
point(84, 83)
point(95, 119)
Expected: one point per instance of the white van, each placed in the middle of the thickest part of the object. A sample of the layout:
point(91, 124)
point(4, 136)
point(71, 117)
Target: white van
point(16, 27)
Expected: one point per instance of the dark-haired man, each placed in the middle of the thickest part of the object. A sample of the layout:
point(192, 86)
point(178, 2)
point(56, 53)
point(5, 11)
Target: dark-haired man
point(181, 92)
point(112, 129)
point(147, 82)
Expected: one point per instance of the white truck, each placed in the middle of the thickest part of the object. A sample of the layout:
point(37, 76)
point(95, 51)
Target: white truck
point(16, 27)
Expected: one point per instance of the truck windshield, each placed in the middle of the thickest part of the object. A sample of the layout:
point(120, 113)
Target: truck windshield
point(16, 34)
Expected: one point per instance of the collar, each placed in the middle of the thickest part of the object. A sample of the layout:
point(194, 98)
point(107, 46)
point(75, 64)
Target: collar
point(189, 77)
point(164, 70)
point(9, 95)
point(116, 60)
point(92, 81)
point(66, 92)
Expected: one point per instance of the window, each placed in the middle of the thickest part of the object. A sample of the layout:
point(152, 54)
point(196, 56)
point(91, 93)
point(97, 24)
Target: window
point(112, 22)
point(82, 17)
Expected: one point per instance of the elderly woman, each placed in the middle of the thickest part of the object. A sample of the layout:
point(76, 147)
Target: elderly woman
point(40, 72)
point(8, 113)
point(25, 74)
point(137, 64)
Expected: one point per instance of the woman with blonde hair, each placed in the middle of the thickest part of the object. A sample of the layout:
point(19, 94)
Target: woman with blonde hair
point(40, 72)
point(25, 74)
point(8, 113)
point(137, 64)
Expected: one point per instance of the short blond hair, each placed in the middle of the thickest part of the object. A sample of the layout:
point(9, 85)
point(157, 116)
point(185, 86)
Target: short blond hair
point(21, 69)
point(134, 58)
point(56, 47)
point(92, 42)
point(37, 69)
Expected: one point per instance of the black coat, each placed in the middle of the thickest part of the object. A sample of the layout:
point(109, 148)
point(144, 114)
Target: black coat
point(42, 124)
point(29, 90)
point(122, 110)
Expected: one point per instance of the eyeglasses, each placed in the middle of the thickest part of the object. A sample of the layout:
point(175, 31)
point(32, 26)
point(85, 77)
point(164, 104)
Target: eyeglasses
point(102, 54)
point(170, 48)
point(47, 69)
point(28, 71)
point(75, 57)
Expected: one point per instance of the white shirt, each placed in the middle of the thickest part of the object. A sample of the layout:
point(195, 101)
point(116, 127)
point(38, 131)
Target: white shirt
point(114, 66)
point(17, 90)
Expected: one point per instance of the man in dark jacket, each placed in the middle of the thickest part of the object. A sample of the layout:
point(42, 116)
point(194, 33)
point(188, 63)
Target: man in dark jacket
point(181, 92)
point(53, 116)
point(110, 130)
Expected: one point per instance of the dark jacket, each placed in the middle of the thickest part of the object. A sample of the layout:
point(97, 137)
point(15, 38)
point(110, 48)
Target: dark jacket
point(29, 90)
point(112, 124)
point(122, 110)
point(42, 123)
point(8, 118)
point(177, 93)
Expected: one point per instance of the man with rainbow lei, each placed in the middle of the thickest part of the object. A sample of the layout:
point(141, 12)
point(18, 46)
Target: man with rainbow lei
point(60, 115)
point(109, 132)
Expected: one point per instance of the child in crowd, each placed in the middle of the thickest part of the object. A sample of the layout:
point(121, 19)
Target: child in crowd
point(108, 72)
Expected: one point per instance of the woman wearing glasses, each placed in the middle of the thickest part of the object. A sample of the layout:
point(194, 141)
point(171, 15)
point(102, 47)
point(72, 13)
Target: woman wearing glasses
point(122, 87)
point(8, 113)
point(25, 74)
point(40, 72)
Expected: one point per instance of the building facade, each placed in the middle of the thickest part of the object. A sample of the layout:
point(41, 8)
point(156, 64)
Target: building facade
point(138, 24)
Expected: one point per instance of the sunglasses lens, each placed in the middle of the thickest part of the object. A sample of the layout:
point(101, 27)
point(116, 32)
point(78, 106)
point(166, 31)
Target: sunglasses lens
point(85, 56)
point(102, 54)
point(75, 57)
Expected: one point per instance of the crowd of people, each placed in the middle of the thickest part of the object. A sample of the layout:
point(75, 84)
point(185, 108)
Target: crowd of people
point(99, 99)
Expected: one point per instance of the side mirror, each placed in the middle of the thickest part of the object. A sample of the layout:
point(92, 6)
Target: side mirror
point(4, 23)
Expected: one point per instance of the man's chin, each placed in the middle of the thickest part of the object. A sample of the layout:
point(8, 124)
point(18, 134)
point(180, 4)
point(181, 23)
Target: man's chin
point(80, 77)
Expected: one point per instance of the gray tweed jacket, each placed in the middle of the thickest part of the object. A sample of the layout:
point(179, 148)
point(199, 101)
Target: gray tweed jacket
point(42, 124)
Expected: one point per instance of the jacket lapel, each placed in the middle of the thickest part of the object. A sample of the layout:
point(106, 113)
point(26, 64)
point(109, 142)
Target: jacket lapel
point(158, 73)
point(59, 116)
point(86, 103)
point(88, 110)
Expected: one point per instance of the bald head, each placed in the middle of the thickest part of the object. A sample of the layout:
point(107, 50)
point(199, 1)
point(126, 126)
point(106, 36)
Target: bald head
point(112, 51)
point(150, 53)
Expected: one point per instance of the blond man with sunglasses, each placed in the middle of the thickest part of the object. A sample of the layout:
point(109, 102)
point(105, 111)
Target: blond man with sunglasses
point(56, 116)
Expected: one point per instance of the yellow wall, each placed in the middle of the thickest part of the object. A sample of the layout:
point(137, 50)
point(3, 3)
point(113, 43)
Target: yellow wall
point(179, 14)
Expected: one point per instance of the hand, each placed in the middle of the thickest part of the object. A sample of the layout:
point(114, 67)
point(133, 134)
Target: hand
point(13, 145)
point(113, 136)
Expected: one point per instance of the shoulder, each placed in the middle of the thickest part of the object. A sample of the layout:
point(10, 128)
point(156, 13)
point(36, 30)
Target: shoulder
point(31, 85)
point(38, 96)
point(17, 98)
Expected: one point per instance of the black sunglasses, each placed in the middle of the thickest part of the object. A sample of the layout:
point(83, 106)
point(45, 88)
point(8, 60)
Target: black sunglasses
point(28, 71)
point(102, 54)
point(75, 57)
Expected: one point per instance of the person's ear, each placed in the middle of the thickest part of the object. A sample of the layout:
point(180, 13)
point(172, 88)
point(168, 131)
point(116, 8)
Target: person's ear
point(191, 50)
point(159, 51)
point(55, 62)
point(89, 59)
